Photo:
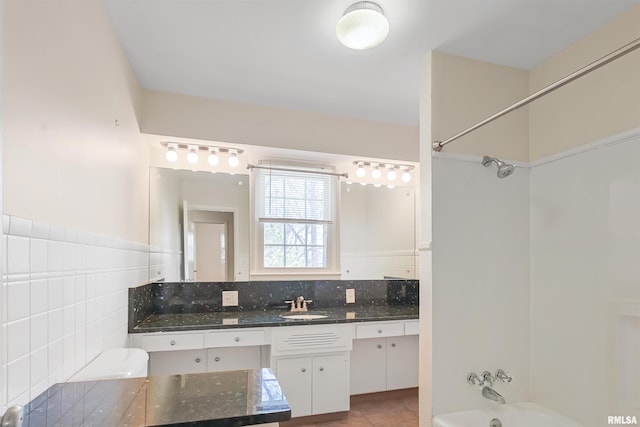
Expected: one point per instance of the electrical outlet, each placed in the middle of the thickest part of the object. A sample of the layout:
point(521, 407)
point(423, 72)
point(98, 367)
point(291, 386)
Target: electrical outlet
point(351, 296)
point(229, 298)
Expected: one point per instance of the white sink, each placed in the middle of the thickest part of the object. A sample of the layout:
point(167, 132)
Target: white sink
point(303, 316)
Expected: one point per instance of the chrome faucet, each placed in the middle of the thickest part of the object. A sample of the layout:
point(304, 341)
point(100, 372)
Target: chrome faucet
point(299, 304)
point(491, 394)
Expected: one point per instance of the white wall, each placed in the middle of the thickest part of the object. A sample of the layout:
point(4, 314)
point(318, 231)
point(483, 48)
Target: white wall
point(596, 106)
point(480, 281)
point(65, 83)
point(237, 123)
point(585, 246)
point(70, 175)
point(480, 223)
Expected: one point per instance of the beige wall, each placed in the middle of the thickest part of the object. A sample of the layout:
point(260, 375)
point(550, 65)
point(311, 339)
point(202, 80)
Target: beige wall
point(232, 122)
point(66, 82)
point(467, 91)
point(596, 106)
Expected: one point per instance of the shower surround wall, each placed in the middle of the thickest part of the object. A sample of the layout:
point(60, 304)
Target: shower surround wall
point(480, 280)
point(67, 299)
point(585, 298)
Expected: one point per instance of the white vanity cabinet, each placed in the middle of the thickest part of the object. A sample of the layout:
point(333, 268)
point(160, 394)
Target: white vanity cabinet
point(386, 363)
point(312, 367)
point(315, 385)
point(193, 352)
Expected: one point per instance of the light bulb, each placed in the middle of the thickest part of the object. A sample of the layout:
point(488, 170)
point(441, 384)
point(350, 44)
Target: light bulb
point(391, 175)
point(192, 156)
point(213, 158)
point(360, 172)
point(172, 154)
point(362, 26)
point(363, 183)
point(376, 173)
point(233, 159)
point(406, 176)
point(377, 185)
point(391, 187)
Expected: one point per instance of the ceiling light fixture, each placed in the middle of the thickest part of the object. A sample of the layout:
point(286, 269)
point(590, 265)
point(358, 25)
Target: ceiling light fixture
point(360, 172)
point(362, 26)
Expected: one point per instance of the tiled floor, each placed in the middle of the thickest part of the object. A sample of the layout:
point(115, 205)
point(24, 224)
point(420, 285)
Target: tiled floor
point(391, 409)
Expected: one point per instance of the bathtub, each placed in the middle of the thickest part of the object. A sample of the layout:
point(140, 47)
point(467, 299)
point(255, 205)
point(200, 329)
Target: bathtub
point(523, 414)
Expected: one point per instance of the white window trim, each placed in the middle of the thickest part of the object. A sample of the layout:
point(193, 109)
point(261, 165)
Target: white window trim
point(257, 245)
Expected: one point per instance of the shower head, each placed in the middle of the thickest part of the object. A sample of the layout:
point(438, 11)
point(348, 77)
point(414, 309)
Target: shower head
point(504, 169)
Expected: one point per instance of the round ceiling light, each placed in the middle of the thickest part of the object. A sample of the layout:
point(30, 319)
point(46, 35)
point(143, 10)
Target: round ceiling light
point(362, 26)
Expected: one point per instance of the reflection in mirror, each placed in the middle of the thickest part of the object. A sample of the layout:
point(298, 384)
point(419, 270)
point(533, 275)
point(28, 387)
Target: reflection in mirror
point(198, 225)
point(378, 232)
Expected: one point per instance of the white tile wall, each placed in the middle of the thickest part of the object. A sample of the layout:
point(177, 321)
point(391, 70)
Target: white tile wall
point(66, 300)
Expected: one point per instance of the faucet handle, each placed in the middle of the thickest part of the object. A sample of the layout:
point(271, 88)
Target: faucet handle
point(503, 376)
point(487, 378)
point(473, 379)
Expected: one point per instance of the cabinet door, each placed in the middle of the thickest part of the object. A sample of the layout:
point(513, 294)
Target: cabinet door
point(402, 362)
point(368, 366)
point(177, 362)
point(330, 384)
point(295, 378)
point(233, 358)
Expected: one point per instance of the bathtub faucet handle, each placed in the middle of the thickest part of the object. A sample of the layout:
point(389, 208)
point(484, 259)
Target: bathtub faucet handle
point(473, 379)
point(503, 376)
point(487, 378)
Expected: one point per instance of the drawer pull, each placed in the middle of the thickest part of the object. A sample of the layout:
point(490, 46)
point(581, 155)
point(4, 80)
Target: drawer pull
point(379, 331)
point(321, 369)
point(380, 346)
point(217, 359)
point(237, 339)
point(197, 360)
point(393, 345)
point(304, 369)
point(172, 342)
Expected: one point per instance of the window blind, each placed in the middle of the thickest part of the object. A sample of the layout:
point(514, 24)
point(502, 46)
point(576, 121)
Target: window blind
point(301, 196)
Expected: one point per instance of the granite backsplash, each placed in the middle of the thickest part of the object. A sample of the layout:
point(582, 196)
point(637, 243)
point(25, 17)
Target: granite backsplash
point(198, 297)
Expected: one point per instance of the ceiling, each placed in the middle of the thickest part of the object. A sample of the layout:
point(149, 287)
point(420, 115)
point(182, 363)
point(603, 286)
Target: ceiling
point(284, 53)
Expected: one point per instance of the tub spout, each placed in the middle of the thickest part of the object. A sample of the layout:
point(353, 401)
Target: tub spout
point(491, 394)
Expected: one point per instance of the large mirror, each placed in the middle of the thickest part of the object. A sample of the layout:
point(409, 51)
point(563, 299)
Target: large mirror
point(199, 223)
point(200, 226)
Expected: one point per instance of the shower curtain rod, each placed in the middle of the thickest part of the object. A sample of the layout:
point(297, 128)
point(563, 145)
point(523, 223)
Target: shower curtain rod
point(250, 166)
point(629, 47)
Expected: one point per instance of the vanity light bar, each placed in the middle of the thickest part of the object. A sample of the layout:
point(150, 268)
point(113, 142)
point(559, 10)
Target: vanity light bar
point(193, 149)
point(392, 170)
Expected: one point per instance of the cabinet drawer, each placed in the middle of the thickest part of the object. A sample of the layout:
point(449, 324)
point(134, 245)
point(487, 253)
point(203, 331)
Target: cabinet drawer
point(177, 362)
point(165, 342)
point(373, 330)
point(237, 338)
point(412, 327)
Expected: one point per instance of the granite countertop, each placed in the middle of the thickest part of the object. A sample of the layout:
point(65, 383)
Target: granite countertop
point(215, 399)
point(264, 318)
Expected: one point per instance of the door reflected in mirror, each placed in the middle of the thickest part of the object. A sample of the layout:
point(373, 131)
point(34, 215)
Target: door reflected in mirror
point(199, 225)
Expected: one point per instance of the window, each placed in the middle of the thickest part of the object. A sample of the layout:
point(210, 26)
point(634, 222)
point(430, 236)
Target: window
point(295, 219)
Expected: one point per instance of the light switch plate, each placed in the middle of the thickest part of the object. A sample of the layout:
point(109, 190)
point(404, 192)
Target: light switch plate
point(351, 296)
point(229, 298)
